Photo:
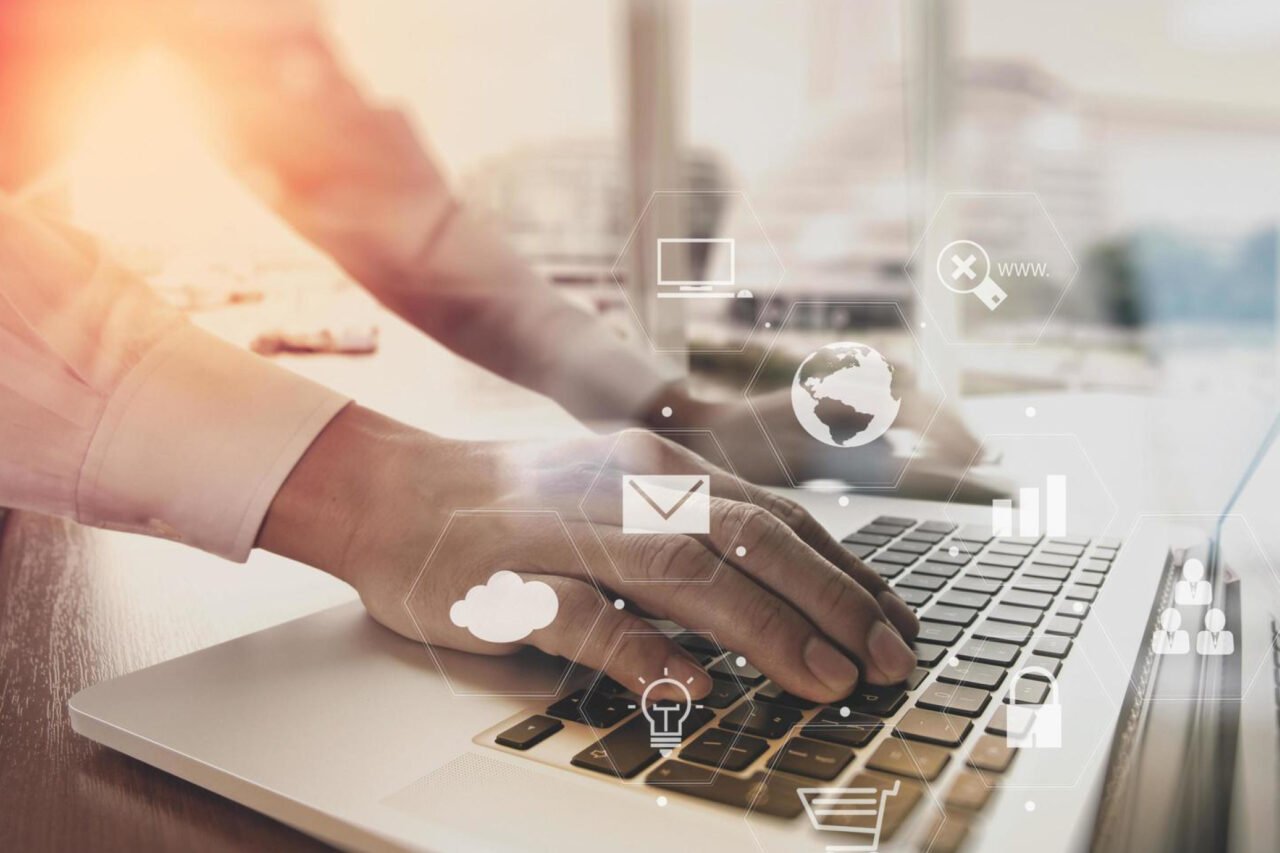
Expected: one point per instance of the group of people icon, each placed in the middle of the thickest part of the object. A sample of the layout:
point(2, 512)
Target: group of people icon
point(1193, 590)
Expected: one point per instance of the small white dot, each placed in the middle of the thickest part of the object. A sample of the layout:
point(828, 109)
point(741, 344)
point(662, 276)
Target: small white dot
point(768, 325)
point(1078, 607)
point(844, 711)
point(619, 604)
point(923, 324)
point(1031, 411)
point(740, 551)
point(1030, 805)
point(662, 802)
point(843, 500)
point(740, 661)
point(953, 551)
point(955, 661)
point(666, 411)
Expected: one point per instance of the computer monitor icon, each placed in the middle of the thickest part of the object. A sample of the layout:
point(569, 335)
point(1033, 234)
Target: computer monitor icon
point(718, 278)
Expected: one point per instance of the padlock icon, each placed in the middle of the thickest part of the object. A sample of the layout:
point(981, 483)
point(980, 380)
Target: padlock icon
point(1033, 726)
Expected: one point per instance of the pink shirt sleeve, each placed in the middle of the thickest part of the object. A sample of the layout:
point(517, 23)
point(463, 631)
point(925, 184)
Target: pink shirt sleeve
point(118, 412)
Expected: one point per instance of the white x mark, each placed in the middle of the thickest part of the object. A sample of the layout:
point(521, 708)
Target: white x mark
point(964, 267)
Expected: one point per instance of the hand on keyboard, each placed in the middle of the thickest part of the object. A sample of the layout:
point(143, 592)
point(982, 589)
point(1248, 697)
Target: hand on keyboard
point(768, 583)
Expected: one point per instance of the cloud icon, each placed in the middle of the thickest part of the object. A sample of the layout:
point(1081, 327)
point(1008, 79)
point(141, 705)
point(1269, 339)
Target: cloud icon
point(505, 609)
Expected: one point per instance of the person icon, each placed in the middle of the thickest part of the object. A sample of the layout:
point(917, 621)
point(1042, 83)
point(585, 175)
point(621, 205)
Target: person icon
point(1193, 588)
point(1213, 640)
point(1167, 639)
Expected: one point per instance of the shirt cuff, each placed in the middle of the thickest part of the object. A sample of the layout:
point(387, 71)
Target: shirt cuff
point(195, 442)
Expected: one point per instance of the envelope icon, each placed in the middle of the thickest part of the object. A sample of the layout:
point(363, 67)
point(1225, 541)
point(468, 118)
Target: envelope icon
point(666, 503)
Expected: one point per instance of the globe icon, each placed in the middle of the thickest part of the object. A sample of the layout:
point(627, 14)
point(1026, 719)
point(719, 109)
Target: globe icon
point(843, 395)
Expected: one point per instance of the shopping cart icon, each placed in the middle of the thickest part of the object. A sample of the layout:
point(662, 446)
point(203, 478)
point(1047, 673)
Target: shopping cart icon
point(854, 810)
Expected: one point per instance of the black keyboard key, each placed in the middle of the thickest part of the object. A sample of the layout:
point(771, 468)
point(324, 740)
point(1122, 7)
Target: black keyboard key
point(812, 758)
point(1003, 632)
point(529, 733)
point(1082, 593)
point(602, 710)
point(1004, 561)
point(969, 791)
point(623, 752)
point(911, 547)
point(948, 615)
point(736, 665)
point(723, 693)
point(698, 643)
point(896, 558)
point(762, 719)
point(961, 598)
point(937, 527)
point(867, 539)
point(928, 654)
point(954, 699)
point(765, 793)
point(916, 580)
point(1103, 566)
point(1028, 691)
point(983, 676)
point(999, 723)
point(860, 551)
point(861, 816)
point(1016, 615)
point(1065, 626)
point(1109, 542)
point(895, 521)
point(1024, 598)
point(1108, 554)
point(974, 533)
point(880, 530)
point(961, 557)
point(888, 571)
point(1053, 647)
point(924, 536)
point(992, 754)
point(727, 750)
point(1056, 573)
point(936, 632)
point(771, 692)
point(916, 677)
point(1052, 547)
point(880, 700)
point(1093, 579)
point(932, 727)
point(993, 573)
point(1052, 665)
point(855, 730)
point(1082, 541)
point(942, 570)
point(914, 597)
point(968, 583)
point(1011, 548)
point(1054, 560)
point(988, 651)
point(915, 760)
point(1077, 609)
point(1047, 585)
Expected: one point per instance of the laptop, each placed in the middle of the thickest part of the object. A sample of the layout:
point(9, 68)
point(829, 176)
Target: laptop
point(1041, 715)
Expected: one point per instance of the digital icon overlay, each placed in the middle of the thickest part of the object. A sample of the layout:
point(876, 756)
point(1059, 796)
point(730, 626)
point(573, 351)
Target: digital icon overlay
point(964, 267)
point(1168, 639)
point(666, 503)
point(843, 394)
point(1213, 640)
point(1055, 510)
point(717, 281)
point(665, 717)
point(858, 811)
point(1034, 726)
point(1193, 589)
point(506, 609)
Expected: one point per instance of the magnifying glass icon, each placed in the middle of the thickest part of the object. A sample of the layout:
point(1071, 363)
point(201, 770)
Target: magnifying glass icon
point(964, 267)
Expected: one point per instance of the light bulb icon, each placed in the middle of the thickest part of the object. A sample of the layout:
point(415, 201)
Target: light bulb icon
point(666, 717)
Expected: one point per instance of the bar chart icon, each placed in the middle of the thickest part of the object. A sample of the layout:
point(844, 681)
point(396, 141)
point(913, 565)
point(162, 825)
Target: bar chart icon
point(1055, 510)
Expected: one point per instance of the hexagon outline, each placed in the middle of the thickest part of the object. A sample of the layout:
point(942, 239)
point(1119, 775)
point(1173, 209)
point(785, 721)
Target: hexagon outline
point(661, 431)
point(600, 733)
point(924, 359)
point(571, 662)
point(919, 288)
point(1271, 570)
point(626, 297)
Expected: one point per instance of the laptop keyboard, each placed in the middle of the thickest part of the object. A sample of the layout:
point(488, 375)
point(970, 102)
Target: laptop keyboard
point(988, 608)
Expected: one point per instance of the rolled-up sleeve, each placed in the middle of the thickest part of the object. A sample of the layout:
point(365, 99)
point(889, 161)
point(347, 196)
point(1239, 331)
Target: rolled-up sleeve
point(116, 411)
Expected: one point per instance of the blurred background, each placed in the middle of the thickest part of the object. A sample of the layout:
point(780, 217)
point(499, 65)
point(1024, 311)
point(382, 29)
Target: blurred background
point(1138, 143)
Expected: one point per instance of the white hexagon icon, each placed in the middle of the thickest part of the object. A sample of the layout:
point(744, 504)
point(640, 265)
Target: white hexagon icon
point(991, 268)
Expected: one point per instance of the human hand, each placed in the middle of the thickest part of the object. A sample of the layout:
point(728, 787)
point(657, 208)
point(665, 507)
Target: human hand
point(369, 501)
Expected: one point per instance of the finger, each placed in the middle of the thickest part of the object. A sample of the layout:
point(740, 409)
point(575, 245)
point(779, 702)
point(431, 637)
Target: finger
point(740, 613)
point(627, 649)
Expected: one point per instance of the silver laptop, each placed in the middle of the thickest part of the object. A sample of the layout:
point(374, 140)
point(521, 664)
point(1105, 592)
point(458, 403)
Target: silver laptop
point(1041, 715)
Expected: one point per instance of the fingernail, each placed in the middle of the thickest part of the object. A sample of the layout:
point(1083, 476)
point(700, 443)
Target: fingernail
point(832, 668)
point(899, 613)
point(693, 677)
point(889, 651)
